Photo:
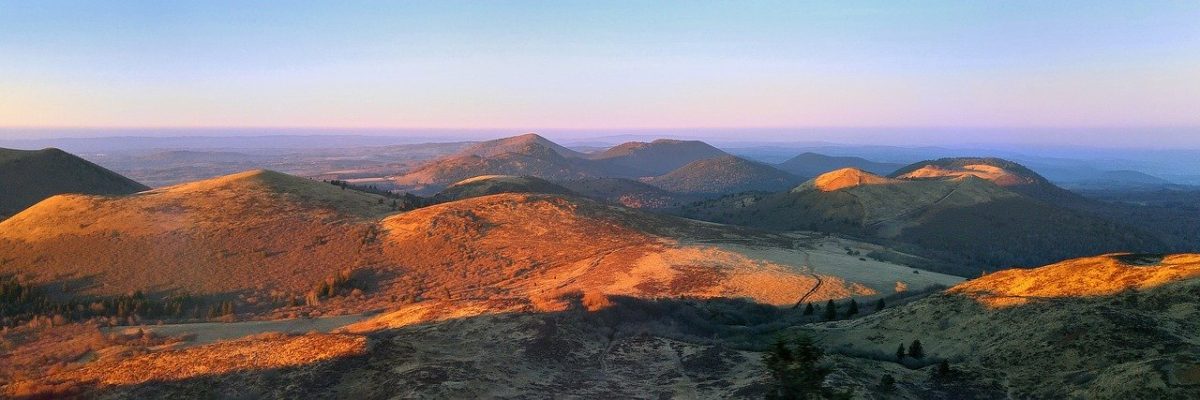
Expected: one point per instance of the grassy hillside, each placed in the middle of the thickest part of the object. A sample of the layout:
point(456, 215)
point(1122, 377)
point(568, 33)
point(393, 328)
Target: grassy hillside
point(496, 184)
point(626, 192)
point(1083, 328)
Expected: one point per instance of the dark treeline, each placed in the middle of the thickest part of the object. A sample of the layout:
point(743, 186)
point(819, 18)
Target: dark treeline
point(400, 201)
point(21, 302)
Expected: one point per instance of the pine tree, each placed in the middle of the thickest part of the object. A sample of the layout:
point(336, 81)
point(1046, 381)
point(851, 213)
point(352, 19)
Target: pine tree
point(808, 310)
point(853, 309)
point(900, 353)
point(915, 350)
point(796, 371)
point(879, 305)
point(943, 370)
point(830, 311)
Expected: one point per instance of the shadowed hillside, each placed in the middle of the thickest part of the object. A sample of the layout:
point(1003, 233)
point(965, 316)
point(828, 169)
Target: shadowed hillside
point(658, 157)
point(1083, 328)
point(496, 184)
point(969, 221)
point(626, 192)
point(722, 175)
point(526, 155)
point(27, 177)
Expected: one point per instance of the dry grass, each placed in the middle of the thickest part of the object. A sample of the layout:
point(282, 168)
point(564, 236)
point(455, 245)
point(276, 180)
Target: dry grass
point(1083, 277)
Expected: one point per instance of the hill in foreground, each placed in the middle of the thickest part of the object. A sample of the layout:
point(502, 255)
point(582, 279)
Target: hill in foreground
point(1113, 326)
point(28, 177)
point(270, 237)
point(265, 245)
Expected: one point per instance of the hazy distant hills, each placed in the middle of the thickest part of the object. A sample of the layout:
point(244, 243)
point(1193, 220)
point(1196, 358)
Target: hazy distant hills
point(27, 177)
point(810, 164)
point(673, 165)
point(968, 210)
point(658, 157)
point(517, 144)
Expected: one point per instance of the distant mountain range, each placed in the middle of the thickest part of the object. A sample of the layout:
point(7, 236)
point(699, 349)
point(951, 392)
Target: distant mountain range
point(674, 165)
point(813, 164)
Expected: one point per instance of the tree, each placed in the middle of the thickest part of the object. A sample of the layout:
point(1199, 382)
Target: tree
point(915, 350)
point(853, 309)
point(830, 311)
point(900, 353)
point(943, 370)
point(796, 370)
point(879, 305)
point(808, 310)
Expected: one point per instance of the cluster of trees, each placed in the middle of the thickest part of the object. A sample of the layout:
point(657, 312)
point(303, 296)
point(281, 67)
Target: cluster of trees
point(405, 201)
point(223, 309)
point(797, 371)
point(831, 309)
point(915, 350)
point(21, 302)
point(338, 284)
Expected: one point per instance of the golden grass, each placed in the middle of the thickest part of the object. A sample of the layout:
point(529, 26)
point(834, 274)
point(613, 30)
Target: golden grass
point(845, 178)
point(1083, 277)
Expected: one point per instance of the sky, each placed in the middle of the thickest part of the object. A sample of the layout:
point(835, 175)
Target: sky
point(1115, 67)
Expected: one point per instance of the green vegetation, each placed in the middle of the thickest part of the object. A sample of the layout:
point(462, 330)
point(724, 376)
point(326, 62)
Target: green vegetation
point(915, 350)
point(399, 202)
point(797, 371)
point(853, 309)
point(830, 311)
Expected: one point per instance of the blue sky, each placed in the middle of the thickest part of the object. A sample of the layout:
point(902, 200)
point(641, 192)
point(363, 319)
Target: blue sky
point(599, 65)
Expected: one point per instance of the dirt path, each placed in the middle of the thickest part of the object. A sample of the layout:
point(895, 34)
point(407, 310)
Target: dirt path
point(814, 288)
point(208, 332)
